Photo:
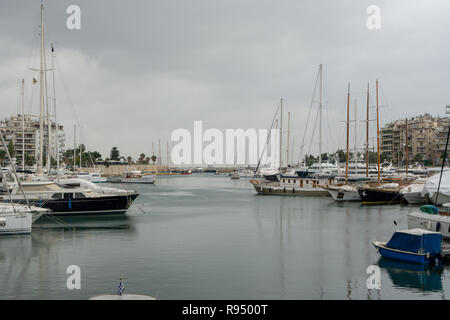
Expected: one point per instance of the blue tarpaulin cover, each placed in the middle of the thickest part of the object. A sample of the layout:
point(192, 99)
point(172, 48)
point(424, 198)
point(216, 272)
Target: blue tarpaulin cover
point(416, 240)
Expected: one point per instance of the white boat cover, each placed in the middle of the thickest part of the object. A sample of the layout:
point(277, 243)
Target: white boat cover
point(432, 184)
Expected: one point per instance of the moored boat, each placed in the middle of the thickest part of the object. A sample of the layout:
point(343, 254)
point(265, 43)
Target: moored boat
point(387, 193)
point(292, 186)
point(343, 193)
point(18, 219)
point(414, 246)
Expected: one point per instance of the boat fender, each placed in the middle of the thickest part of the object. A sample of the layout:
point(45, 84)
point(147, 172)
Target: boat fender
point(438, 226)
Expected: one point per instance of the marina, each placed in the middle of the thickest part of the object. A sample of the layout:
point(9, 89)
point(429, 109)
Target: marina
point(219, 152)
point(295, 248)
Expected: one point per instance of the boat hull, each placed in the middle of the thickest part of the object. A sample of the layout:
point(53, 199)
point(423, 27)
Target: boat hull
point(344, 195)
point(16, 223)
point(106, 205)
point(399, 255)
point(414, 197)
point(371, 196)
point(430, 222)
point(290, 191)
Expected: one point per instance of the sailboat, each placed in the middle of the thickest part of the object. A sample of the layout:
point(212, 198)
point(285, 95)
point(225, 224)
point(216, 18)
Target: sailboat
point(64, 199)
point(296, 185)
point(14, 218)
point(378, 192)
point(345, 192)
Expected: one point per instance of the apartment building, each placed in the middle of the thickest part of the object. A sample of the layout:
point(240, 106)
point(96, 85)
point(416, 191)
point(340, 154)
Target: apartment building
point(24, 134)
point(422, 136)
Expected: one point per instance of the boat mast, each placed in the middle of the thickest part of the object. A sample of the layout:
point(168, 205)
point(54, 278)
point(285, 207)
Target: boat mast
point(287, 142)
point(49, 123)
point(367, 134)
point(281, 132)
point(355, 152)
point(23, 126)
point(320, 119)
point(406, 146)
point(54, 110)
point(41, 93)
point(348, 128)
point(378, 134)
point(74, 146)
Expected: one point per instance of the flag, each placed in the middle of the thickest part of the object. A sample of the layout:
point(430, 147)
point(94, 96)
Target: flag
point(34, 81)
point(120, 288)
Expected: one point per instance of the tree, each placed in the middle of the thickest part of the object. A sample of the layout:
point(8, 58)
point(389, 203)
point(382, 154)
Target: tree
point(385, 157)
point(154, 159)
point(114, 154)
point(11, 148)
point(29, 161)
point(147, 160)
point(341, 155)
point(130, 160)
point(141, 158)
point(418, 157)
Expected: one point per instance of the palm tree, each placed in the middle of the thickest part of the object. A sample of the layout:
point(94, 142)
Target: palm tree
point(129, 159)
point(154, 159)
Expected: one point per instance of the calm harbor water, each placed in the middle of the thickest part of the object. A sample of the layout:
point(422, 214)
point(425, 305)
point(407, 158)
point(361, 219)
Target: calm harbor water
point(209, 237)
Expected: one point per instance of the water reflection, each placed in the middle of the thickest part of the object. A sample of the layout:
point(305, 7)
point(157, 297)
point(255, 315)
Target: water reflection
point(122, 221)
point(411, 276)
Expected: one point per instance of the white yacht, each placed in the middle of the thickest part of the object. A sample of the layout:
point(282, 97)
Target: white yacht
point(136, 176)
point(413, 193)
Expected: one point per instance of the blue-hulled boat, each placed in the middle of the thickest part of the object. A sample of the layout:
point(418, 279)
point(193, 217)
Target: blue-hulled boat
point(413, 246)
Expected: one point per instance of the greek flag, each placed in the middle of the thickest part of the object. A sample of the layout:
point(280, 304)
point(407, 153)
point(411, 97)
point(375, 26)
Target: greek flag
point(120, 288)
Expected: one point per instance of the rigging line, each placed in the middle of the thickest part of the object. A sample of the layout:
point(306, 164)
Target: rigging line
point(267, 140)
point(314, 130)
point(66, 91)
point(307, 119)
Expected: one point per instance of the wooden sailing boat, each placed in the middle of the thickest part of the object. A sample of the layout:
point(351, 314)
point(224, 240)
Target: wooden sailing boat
point(345, 192)
point(378, 192)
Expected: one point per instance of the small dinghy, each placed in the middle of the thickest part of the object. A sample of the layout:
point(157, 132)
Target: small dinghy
point(413, 246)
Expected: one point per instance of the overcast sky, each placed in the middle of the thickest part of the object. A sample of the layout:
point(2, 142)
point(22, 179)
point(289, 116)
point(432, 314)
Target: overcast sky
point(137, 70)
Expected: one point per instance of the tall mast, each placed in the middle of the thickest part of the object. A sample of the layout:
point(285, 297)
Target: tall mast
point(287, 143)
point(348, 128)
point(367, 134)
point(23, 126)
point(41, 93)
point(320, 119)
point(355, 155)
point(159, 151)
point(54, 110)
point(378, 134)
point(167, 150)
point(49, 122)
point(406, 146)
point(74, 146)
point(281, 132)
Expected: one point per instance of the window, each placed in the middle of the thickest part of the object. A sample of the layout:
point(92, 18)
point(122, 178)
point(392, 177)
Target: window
point(68, 195)
point(79, 196)
point(57, 196)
